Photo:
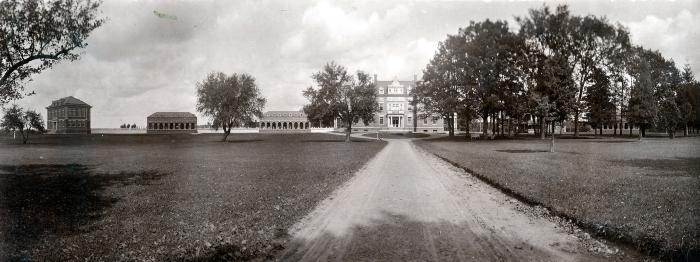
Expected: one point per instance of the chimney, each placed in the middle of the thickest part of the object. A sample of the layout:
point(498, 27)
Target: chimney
point(375, 78)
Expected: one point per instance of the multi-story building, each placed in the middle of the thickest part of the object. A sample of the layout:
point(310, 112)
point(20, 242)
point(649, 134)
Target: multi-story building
point(396, 112)
point(68, 115)
point(284, 122)
point(171, 123)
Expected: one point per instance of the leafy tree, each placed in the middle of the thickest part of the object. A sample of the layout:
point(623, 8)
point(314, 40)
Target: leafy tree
point(599, 101)
point(341, 96)
point(36, 34)
point(586, 43)
point(439, 92)
point(642, 104)
point(230, 101)
point(133, 126)
point(669, 116)
point(16, 119)
point(687, 99)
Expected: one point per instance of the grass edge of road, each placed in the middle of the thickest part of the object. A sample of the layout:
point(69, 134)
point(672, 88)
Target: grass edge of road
point(645, 245)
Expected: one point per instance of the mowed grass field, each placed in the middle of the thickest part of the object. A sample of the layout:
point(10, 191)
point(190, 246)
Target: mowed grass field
point(162, 197)
point(644, 193)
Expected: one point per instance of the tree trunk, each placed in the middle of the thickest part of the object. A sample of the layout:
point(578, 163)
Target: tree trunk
point(451, 125)
point(25, 136)
point(630, 126)
point(685, 130)
point(615, 128)
point(468, 135)
point(485, 126)
point(551, 143)
point(601, 130)
point(494, 128)
point(543, 128)
point(672, 133)
point(644, 130)
point(576, 122)
point(348, 130)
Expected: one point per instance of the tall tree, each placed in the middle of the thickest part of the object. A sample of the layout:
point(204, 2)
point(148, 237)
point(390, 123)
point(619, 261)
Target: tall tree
point(599, 101)
point(686, 99)
point(16, 119)
point(341, 96)
point(230, 101)
point(642, 104)
point(36, 34)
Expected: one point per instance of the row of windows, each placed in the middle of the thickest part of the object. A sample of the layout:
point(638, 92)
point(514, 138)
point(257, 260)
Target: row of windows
point(172, 126)
point(71, 112)
point(613, 126)
point(68, 123)
point(410, 120)
point(284, 115)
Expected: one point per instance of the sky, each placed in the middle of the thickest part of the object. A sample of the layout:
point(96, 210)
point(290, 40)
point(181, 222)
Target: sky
point(149, 55)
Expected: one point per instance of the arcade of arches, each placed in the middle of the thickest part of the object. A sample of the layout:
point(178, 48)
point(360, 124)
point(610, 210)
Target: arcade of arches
point(285, 125)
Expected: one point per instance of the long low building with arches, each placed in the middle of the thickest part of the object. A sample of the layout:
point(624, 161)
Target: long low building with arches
point(284, 122)
point(171, 123)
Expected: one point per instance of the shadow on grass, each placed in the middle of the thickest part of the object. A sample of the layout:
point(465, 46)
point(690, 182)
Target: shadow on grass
point(332, 141)
point(522, 151)
point(245, 141)
point(42, 200)
point(686, 166)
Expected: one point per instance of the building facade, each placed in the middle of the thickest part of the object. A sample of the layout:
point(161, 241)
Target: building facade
point(284, 122)
point(171, 123)
point(68, 115)
point(396, 112)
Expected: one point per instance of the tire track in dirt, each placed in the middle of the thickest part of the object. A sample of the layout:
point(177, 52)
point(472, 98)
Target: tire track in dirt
point(406, 204)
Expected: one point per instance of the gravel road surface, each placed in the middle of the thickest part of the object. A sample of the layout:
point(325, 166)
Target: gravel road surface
point(406, 204)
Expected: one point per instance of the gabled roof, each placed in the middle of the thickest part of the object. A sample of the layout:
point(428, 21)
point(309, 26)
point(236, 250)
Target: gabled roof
point(69, 100)
point(172, 114)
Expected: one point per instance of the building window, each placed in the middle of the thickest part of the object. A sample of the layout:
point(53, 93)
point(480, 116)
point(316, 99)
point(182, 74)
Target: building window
point(409, 120)
point(381, 90)
point(381, 120)
point(434, 120)
point(425, 120)
point(171, 126)
point(193, 125)
point(625, 125)
point(381, 107)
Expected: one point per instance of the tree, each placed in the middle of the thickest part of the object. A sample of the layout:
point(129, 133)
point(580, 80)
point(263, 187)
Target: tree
point(599, 101)
point(341, 96)
point(686, 98)
point(15, 119)
point(230, 101)
point(642, 104)
point(669, 116)
point(36, 34)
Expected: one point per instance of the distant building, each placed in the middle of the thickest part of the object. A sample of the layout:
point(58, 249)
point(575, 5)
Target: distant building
point(171, 123)
point(68, 115)
point(396, 112)
point(284, 122)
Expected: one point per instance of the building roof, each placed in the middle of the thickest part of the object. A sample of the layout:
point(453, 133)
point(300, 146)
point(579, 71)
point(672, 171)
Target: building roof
point(172, 114)
point(284, 115)
point(69, 100)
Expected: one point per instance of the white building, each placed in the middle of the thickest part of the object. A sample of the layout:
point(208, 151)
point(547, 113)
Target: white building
point(395, 110)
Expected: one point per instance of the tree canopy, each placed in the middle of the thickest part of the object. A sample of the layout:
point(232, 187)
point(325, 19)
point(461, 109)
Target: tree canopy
point(230, 100)
point(36, 34)
point(341, 96)
point(17, 119)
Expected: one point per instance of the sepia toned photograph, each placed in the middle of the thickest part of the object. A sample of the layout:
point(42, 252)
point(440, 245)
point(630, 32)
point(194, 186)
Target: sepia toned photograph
point(349, 130)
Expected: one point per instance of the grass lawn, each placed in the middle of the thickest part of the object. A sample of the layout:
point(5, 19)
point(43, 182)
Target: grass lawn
point(162, 197)
point(646, 194)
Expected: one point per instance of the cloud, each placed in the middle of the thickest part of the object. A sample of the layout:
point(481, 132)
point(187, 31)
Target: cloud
point(139, 62)
point(675, 36)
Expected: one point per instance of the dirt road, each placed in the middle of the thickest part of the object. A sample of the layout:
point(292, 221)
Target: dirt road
point(406, 204)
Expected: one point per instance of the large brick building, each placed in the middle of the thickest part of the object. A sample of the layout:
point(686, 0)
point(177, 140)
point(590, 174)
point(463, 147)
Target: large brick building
point(68, 115)
point(396, 112)
point(171, 123)
point(284, 122)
